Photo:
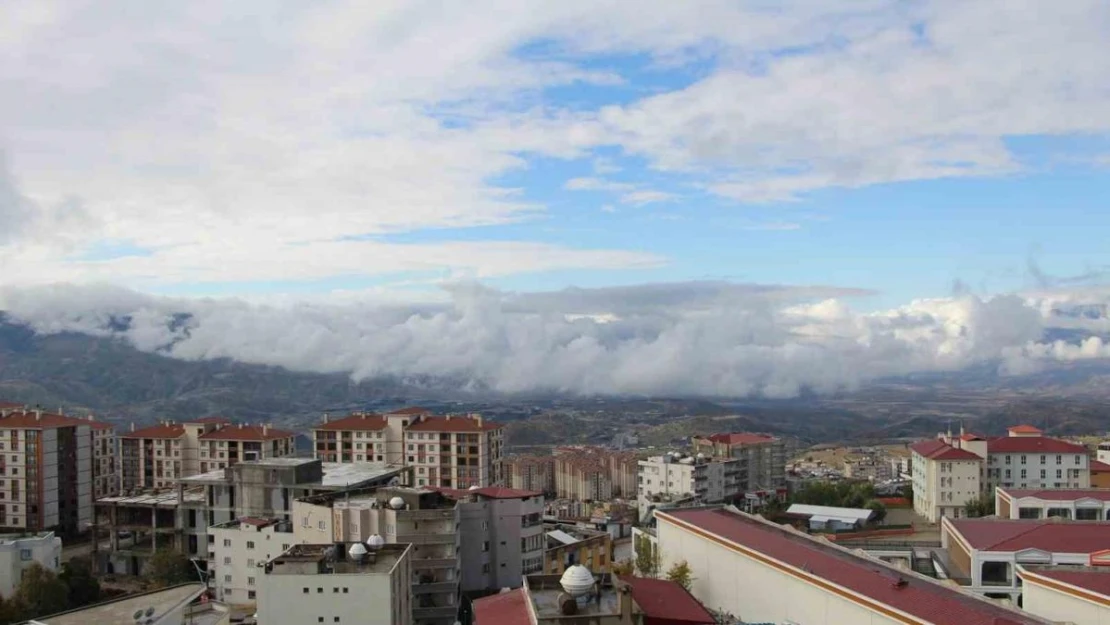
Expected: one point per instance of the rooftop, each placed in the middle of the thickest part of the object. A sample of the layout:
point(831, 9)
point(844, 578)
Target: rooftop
point(489, 492)
point(161, 499)
point(1008, 535)
point(831, 512)
point(1033, 445)
point(16, 537)
point(1092, 579)
point(505, 608)
point(246, 432)
point(545, 590)
point(940, 450)
point(361, 422)
point(38, 420)
point(819, 561)
point(325, 559)
point(1063, 494)
point(1099, 466)
point(410, 410)
point(336, 474)
point(1023, 429)
point(667, 601)
point(123, 610)
point(452, 423)
point(740, 438)
point(162, 430)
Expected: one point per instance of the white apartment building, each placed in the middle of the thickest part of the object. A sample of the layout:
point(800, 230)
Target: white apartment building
point(332, 584)
point(451, 451)
point(17, 552)
point(944, 479)
point(1027, 459)
point(240, 548)
point(711, 480)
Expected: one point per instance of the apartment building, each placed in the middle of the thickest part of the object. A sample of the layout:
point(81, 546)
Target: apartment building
point(763, 458)
point(1100, 474)
point(159, 455)
point(763, 572)
point(531, 473)
point(449, 451)
point(105, 452)
point(572, 545)
point(1026, 458)
point(589, 473)
point(240, 549)
point(46, 471)
point(351, 583)
point(677, 474)
point(1068, 504)
point(944, 479)
point(20, 551)
point(986, 552)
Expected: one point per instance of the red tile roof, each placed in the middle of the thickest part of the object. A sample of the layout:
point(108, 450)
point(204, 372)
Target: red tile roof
point(359, 422)
point(1033, 445)
point(1099, 466)
point(459, 423)
point(243, 432)
point(210, 420)
point(410, 410)
point(940, 450)
point(1096, 580)
point(507, 608)
point(100, 425)
point(664, 601)
point(7, 405)
point(31, 420)
point(740, 438)
point(1065, 494)
point(972, 437)
point(175, 430)
point(1024, 429)
point(818, 562)
point(1008, 535)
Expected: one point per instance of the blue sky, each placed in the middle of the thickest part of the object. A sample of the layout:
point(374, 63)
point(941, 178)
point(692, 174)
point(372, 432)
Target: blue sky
point(883, 148)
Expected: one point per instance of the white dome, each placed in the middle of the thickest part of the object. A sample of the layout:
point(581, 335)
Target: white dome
point(375, 542)
point(475, 487)
point(396, 503)
point(577, 580)
point(356, 551)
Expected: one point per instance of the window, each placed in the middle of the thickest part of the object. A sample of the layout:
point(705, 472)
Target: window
point(250, 581)
point(320, 591)
point(1023, 474)
point(1077, 460)
point(227, 542)
point(1059, 474)
point(227, 559)
point(24, 554)
point(306, 590)
point(320, 525)
point(1007, 460)
point(485, 545)
point(250, 594)
point(250, 562)
point(335, 590)
point(250, 544)
point(1023, 458)
point(345, 590)
point(227, 579)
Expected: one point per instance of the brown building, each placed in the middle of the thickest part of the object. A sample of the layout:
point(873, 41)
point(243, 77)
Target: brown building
point(763, 458)
point(595, 473)
point(1100, 474)
point(448, 451)
point(568, 545)
point(531, 473)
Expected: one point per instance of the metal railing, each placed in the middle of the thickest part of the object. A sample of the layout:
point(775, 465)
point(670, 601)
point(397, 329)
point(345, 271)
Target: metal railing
point(427, 539)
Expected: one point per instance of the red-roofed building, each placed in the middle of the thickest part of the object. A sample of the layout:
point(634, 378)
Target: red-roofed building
point(452, 451)
point(986, 551)
point(763, 572)
point(1100, 474)
point(505, 608)
point(1023, 430)
point(1078, 595)
point(945, 477)
point(664, 602)
point(1028, 460)
point(1083, 504)
point(158, 455)
point(764, 457)
point(53, 466)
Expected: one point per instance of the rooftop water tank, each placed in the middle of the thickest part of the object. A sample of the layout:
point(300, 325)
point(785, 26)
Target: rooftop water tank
point(577, 581)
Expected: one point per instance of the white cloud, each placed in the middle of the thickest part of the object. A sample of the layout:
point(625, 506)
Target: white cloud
point(709, 338)
point(647, 196)
point(596, 184)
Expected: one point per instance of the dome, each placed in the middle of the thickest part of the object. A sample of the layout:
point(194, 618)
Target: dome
point(396, 503)
point(701, 456)
point(356, 551)
point(375, 542)
point(577, 580)
point(475, 487)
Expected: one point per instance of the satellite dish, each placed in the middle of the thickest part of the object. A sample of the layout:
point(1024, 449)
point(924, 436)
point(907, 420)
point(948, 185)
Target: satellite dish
point(138, 615)
point(150, 611)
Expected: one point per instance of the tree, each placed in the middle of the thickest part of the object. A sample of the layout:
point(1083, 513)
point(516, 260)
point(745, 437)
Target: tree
point(40, 592)
point(681, 574)
point(624, 567)
point(907, 493)
point(10, 611)
point(647, 557)
point(78, 577)
point(983, 505)
point(879, 508)
point(168, 567)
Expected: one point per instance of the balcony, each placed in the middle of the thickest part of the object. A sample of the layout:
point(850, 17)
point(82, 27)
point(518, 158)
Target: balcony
point(444, 612)
point(431, 588)
point(434, 563)
point(426, 539)
point(429, 515)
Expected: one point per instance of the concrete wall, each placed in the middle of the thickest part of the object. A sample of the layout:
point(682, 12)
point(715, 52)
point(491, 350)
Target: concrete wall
point(1061, 607)
point(369, 599)
point(44, 550)
point(755, 592)
point(240, 550)
point(312, 524)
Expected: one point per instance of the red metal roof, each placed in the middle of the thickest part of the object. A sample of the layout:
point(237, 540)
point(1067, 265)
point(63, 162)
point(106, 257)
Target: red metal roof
point(1024, 429)
point(32, 420)
point(1096, 580)
point(972, 437)
point(877, 582)
point(740, 438)
point(257, 522)
point(100, 425)
point(507, 608)
point(1063, 494)
point(411, 410)
point(459, 423)
point(1009, 535)
point(210, 420)
point(664, 602)
point(1033, 445)
point(939, 450)
point(1099, 466)
point(359, 422)
point(175, 430)
point(246, 433)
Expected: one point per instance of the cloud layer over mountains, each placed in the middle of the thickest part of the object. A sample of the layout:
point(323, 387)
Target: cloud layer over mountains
point(699, 338)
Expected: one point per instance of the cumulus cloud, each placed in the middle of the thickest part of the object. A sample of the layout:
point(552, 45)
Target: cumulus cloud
point(702, 338)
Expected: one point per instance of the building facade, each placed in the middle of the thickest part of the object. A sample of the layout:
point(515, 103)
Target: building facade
point(1078, 505)
point(588, 473)
point(240, 548)
point(326, 584)
point(1079, 595)
point(20, 551)
point(1027, 459)
point(535, 473)
point(762, 458)
point(944, 479)
point(570, 545)
point(504, 537)
point(450, 451)
point(711, 480)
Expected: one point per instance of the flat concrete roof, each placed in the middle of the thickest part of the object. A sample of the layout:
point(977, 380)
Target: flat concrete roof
point(161, 500)
point(123, 610)
point(336, 474)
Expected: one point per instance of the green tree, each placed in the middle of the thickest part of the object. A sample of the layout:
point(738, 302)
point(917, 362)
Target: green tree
point(168, 567)
point(879, 508)
point(983, 505)
point(681, 574)
point(647, 557)
point(40, 592)
point(78, 577)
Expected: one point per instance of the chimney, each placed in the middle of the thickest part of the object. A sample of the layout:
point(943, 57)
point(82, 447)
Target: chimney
point(448, 416)
point(240, 426)
point(38, 415)
point(325, 417)
point(132, 426)
point(265, 430)
point(91, 418)
point(478, 418)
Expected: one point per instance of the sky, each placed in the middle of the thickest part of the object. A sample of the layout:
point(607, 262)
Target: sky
point(869, 157)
